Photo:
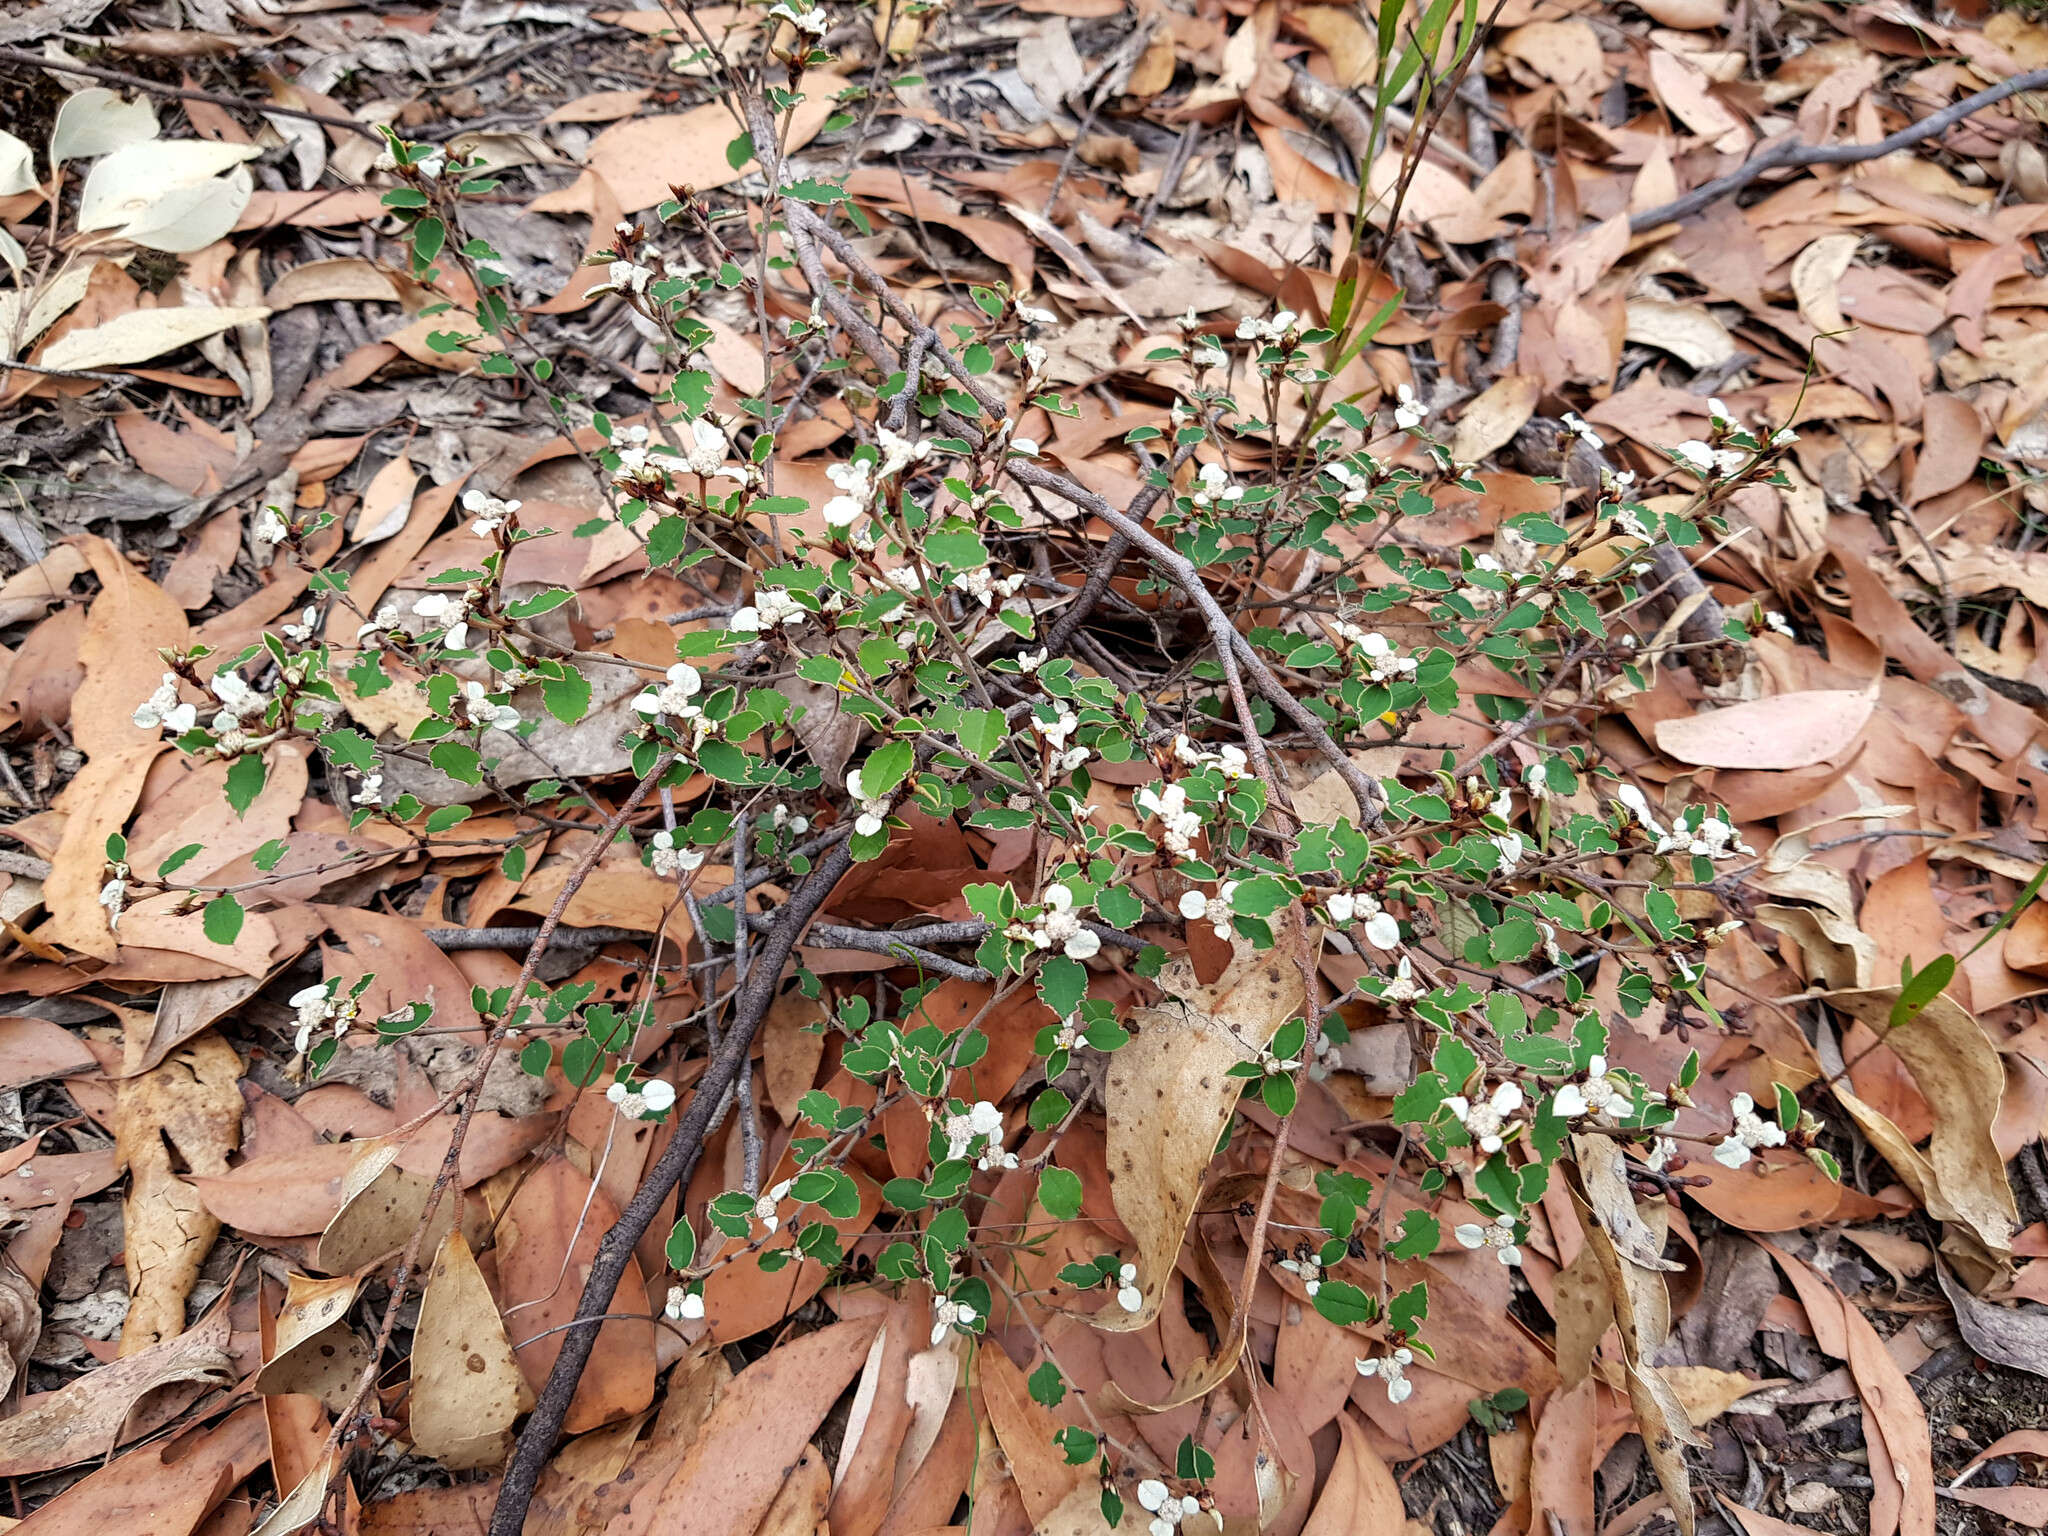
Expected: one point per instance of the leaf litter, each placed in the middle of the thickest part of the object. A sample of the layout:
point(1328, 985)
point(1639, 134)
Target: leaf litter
point(1201, 1274)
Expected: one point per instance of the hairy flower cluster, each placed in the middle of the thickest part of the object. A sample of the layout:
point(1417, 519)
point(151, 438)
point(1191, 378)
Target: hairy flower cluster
point(1058, 926)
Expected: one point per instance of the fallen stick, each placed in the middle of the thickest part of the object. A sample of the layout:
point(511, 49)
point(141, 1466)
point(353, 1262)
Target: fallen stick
point(1791, 153)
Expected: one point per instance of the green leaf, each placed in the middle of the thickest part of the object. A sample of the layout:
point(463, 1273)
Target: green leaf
point(536, 1057)
point(887, 766)
point(567, 697)
point(682, 1245)
point(117, 848)
point(981, 732)
point(1344, 1304)
point(178, 860)
point(1420, 1233)
point(1047, 1386)
point(445, 818)
point(1059, 1191)
point(223, 919)
point(513, 865)
point(740, 151)
point(1062, 983)
point(1921, 988)
point(245, 781)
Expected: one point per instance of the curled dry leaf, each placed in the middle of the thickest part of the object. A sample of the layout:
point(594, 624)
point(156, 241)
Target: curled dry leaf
point(2015, 1335)
point(1622, 1241)
point(168, 195)
point(189, 1105)
point(87, 1419)
point(21, 1324)
point(1961, 1075)
point(317, 1352)
point(467, 1388)
point(1787, 730)
point(1168, 1098)
point(17, 166)
point(381, 1206)
point(96, 121)
point(302, 1506)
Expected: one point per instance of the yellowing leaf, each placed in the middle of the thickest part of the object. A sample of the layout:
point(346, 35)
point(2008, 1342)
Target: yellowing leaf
point(142, 334)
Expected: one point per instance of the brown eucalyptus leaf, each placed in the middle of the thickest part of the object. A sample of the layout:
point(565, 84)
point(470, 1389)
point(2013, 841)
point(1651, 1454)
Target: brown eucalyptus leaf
point(467, 1387)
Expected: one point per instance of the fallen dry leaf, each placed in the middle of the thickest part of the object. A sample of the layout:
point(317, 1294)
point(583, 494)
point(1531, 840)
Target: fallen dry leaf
point(467, 1388)
point(1789, 730)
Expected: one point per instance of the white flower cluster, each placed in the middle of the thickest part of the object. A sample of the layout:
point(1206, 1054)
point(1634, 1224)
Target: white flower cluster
point(320, 1005)
point(490, 512)
point(1717, 837)
point(667, 859)
point(765, 1207)
point(872, 807)
point(1409, 411)
point(1057, 732)
point(947, 1315)
point(476, 703)
point(983, 587)
point(269, 529)
point(1198, 906)
point(1128, 1295)
point(1401, 987)
point(1498, 1234)
point(430, 166)
point(1354, 487)
point(1216, 489)
point(981, 1123)
point(772, 608)
point(1382, 928)
point(1308, 1269)
point(1583, 431)
point(676, 698)
point(163, 708)
point(1707, 461)
point(1393, 1370)
point(1512, 848)
point(1603, 1095)
point(1180, 825)
point(684, 1304)
point(1166, 1507)
point(858, 481)
point(706, 447)
point(239, 703)
point(635, 469)
point(1059, 927)
point(114, 894)
point(1751, 1132)
point(653, 1097)
point(1385, 663)
point(1252, 328)
point(1229, 759)
point(1491, 1122)
point(816, 23)
point(448, 612)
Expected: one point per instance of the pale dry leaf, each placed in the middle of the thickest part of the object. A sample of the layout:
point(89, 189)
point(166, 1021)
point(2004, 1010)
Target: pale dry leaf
point(1953, 436)
point(1689, 332)
point(343, 277)
point(96, 121)
point(381, 1207)
point(1168, 1099)
point(1706, 1392)
point(1688, 95)
point(1817, 280)
point(142, 334)
point(303, 1505)
point(1961, 1075)
point(467, 1387)
point(387, 502)
point(1360, 1493)
point(1490, 422)
point(168, 194)
point(317, 1352)
point(87, 1419)
point(17, 166)
point(1787, 730)
point(189, 1105)
point(599, 107)
point(642, 158)
point(21, 1324)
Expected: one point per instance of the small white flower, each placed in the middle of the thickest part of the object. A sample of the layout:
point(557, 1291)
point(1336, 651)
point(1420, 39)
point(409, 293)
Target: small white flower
point(660, 1095)
point(270, 529)
point(1127, 1294)
point(1732, 1152)
point(1511, 848)
point(948, 1313)
point(1498, 1234)
point(163, 708)
point(1489, 1123)
point(1570, 1102)
point(684, 1304)
point(1409, 412)
point(1777, 621)
point(114, 895)
point(1392, 1369)
point(1383, 931)
point(1694, 455)
point(1583, 431)
point(1193, 904)
point(482, 711)
point(1083, 944)
point(370, 791)
point(490, 512)
point(684, 683)
point(1720, 415)
point(706, 447)
point(1033, 316)
point(450, 613)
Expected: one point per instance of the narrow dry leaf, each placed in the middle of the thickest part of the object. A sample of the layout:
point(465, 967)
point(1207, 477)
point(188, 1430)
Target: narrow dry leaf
point(387, 502)
point(142, 334)
point(303, 1505)
point(188, 1106)
point(467, 1388)
point(1168, 1099)
point(1817, 280)
point(1787, 730)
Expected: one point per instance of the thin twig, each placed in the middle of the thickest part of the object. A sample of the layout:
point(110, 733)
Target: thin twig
point(19, 57)
point(1789, 153)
